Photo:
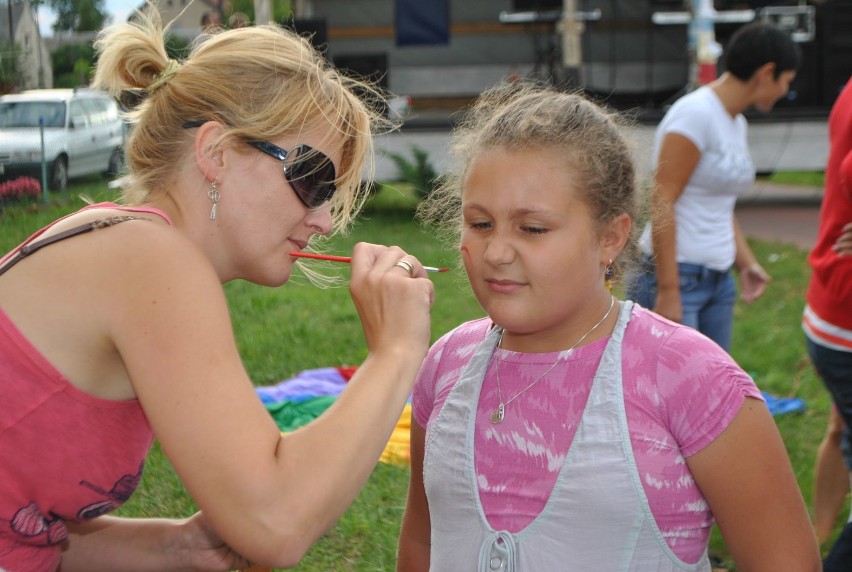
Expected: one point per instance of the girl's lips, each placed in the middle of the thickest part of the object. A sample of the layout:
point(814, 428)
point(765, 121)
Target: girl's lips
point(504, 286)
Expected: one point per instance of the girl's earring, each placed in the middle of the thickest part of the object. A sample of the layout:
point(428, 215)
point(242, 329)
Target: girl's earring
point(214, 197)
point(608, 274)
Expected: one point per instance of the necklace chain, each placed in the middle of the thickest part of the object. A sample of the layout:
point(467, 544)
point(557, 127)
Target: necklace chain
point(499, 414)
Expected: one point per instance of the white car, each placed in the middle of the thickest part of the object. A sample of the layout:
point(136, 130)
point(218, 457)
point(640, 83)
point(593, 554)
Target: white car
point(83, 134)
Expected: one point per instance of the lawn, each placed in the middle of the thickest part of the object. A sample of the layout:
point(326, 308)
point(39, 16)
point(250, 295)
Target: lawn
point(283, 331)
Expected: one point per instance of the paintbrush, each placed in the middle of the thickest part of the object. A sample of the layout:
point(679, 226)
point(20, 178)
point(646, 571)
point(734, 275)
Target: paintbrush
point(348, 259)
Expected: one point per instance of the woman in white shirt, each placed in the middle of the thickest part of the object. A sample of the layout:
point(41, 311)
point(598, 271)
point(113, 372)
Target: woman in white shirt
point(702, 165)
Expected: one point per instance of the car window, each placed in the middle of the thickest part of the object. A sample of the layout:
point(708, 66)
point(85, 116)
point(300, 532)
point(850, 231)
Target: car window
point(110, 109)
point(94, 110)
point(79, 117)
point(28, 113)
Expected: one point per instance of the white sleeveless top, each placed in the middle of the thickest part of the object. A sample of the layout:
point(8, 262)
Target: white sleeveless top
point(597, 517)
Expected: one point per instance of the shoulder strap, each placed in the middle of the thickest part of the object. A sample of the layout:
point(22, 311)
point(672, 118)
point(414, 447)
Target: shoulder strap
point(28, 249)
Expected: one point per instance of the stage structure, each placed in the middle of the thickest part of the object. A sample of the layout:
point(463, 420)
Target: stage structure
point(632, 53)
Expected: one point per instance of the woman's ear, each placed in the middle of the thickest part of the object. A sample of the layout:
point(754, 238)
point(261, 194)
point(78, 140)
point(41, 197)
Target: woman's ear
point(208, 149)
point(615, 235)
point(766, 72)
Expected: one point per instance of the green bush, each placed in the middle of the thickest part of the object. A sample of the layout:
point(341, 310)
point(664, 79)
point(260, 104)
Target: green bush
point(419, 172)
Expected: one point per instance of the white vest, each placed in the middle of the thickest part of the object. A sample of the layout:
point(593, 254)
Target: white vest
point(597, 518)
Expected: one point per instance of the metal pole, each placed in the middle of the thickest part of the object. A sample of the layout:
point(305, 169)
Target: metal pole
point(11, 27)
point(572, 30)
point(44, 192)
point(702, 42)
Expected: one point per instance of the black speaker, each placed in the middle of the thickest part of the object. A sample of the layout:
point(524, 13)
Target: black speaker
point(313, 29)
point(372, 67)
point(834, 22)
point(536, 5)
point(806, 89)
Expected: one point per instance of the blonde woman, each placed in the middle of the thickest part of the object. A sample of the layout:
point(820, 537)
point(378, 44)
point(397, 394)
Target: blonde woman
point(114, 328)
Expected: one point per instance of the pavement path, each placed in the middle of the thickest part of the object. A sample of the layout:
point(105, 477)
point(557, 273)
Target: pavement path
point(781, 213)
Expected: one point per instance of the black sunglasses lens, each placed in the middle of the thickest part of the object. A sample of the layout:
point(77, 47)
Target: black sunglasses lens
point(311, 174)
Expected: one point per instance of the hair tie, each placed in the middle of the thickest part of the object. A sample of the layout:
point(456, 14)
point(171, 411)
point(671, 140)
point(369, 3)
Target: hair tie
point(172, 67)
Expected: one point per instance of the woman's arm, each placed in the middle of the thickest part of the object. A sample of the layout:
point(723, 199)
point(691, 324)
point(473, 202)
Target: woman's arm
point(415, 538)
point(746, 477)
point(269, 497)
point(111, 544)
point(753, 278)
point(677, 161)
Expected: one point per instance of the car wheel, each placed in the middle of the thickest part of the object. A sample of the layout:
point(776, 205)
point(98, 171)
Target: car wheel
point(115, 164)
point(59, 174)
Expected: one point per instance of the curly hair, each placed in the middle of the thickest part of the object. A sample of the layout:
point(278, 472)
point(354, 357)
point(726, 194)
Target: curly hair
point(529, 115)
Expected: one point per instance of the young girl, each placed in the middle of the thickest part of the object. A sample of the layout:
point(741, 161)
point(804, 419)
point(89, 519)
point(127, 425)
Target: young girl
point(569, 430)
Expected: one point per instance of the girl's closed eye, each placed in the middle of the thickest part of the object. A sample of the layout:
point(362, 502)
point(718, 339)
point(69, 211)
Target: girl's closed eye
point(534, 229)
point(480, 225)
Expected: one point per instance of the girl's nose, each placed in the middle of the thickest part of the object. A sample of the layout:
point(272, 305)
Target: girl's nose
point(498, 251)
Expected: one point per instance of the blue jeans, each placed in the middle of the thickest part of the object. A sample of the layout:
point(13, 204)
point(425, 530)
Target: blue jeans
point(707, 297)
point(835, 370)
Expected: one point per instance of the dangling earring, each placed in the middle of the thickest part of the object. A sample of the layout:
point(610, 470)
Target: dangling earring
point(608, 274)
point(214, 196)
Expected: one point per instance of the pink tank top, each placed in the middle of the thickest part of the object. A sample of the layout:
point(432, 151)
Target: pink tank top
point(67, 456)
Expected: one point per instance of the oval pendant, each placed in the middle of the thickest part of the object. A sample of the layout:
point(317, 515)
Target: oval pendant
point(497, 415)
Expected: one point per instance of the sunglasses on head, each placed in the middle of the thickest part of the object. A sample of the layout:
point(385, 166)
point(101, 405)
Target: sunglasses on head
point(310, 173)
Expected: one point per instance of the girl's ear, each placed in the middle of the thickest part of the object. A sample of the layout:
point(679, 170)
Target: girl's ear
point(208, 149)
point(615, 235)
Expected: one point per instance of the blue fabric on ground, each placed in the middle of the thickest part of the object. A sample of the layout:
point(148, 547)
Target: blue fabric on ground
point(304, 385)
point(780, 405)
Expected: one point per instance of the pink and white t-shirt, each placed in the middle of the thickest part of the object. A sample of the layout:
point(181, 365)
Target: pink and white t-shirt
point(681, 391)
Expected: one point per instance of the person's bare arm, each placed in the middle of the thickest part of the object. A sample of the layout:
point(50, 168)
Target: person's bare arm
point(268, 496)
point(111, 544)
point(746, 477)
point(415, 538)
point(677, 161)
point(753, 278)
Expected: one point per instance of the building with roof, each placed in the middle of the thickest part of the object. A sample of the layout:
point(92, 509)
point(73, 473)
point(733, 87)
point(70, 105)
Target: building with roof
point(18, 22)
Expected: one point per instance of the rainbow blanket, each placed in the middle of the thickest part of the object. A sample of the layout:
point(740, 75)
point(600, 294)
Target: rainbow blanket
point(299, 400)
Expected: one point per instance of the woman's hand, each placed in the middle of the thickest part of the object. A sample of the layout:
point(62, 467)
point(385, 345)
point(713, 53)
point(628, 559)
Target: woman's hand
point(392, 302)
point(668, 304)
point(843, 245)
point(206, 550)
point(753, 281)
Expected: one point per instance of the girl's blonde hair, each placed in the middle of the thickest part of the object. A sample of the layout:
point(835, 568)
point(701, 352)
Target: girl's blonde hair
point(528, 115)
point(261, 82)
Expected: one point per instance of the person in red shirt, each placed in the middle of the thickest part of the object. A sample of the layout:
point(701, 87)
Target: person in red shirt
point(827, 319)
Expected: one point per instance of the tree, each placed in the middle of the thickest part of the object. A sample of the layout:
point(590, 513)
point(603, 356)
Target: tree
point(10, 66)
point(72, 64)
point(78, 15)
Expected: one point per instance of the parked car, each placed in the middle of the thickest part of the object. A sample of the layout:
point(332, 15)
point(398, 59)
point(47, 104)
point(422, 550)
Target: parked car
point(83, 134)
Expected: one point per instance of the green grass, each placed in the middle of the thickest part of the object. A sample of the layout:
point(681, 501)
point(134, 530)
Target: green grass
point(806, 178)
point(283, 331)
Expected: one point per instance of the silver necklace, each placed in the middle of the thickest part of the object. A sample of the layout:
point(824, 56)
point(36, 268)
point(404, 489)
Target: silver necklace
point(500, 413)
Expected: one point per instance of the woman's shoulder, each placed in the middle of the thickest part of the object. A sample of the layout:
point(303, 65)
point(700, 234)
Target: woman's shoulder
point(126, 247)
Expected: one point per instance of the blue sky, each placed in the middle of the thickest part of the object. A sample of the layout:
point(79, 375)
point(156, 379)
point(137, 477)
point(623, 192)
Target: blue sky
point(117, 9)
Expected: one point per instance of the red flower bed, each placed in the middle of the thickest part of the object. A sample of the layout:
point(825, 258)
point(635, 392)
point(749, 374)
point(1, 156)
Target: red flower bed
point(20, 188)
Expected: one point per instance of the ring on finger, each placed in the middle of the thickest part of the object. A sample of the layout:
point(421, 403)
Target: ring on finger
point(405, 265)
